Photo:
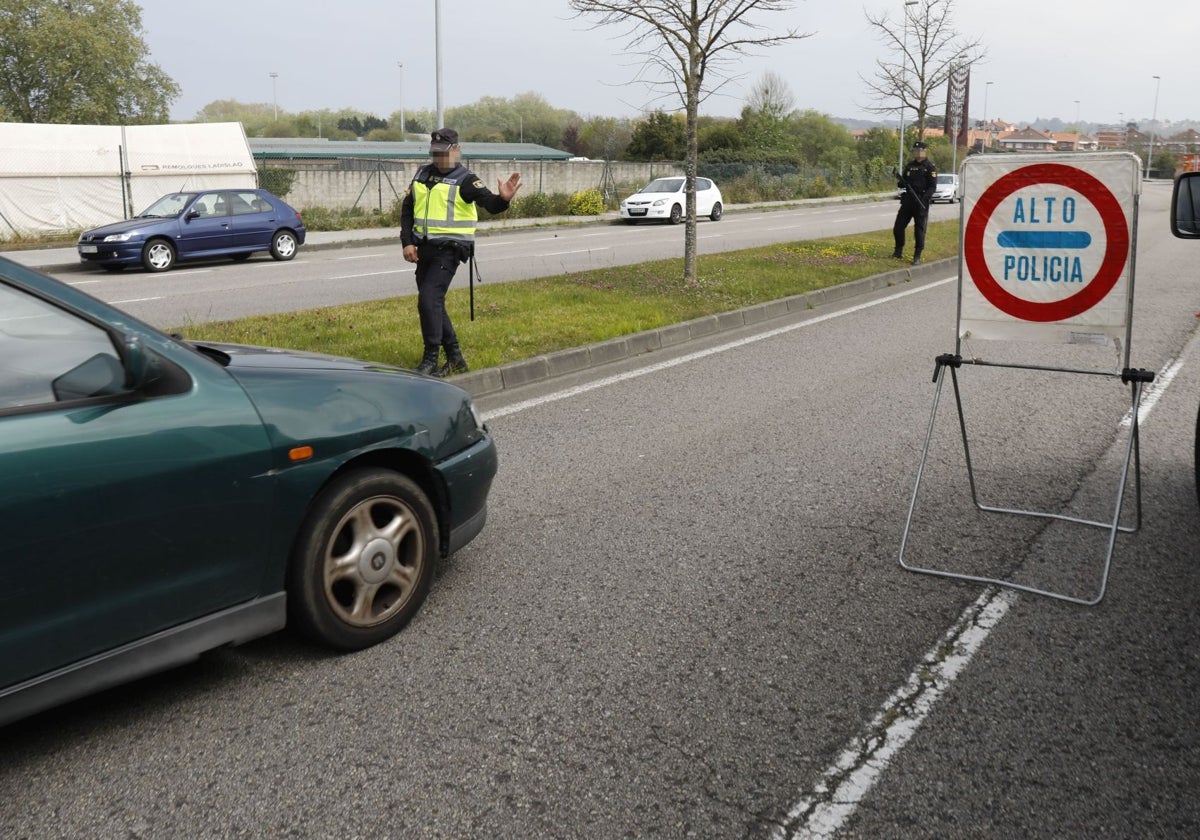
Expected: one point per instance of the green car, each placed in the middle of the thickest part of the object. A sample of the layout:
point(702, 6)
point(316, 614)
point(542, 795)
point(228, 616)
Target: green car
point(161, 497)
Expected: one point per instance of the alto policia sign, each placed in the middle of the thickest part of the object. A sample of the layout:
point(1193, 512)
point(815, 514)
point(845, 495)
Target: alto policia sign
point(1047, 247)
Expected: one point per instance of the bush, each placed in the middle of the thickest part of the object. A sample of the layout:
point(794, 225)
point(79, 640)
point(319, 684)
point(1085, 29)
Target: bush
point(586, 203)
point(275, 180)
point(530, 207)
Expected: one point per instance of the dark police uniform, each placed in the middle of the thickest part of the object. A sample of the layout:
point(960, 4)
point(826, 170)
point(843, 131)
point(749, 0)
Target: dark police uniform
point(919, 180)
point(438, 216)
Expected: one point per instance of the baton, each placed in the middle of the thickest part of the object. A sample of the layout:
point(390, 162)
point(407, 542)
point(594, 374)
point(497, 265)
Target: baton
point(471, 280)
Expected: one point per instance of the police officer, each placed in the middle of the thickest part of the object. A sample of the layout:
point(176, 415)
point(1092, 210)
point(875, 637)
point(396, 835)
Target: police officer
point(918, 180)
point(437, 229)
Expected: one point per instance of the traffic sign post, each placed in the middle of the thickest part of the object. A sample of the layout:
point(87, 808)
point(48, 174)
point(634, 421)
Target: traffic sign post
point(1047, 255)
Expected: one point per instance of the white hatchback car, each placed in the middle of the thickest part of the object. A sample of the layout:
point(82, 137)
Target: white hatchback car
point(946, 189)
point(664, 199)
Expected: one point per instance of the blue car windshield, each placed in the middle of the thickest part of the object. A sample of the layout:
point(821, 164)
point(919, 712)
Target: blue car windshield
point(168, 206)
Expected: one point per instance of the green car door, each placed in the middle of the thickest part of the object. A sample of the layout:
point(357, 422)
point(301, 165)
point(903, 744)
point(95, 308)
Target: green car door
point(124, 512)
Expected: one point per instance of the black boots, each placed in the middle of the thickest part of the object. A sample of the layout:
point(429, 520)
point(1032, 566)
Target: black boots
point(455, 363)
point(917, 258)
point(429, 362)
point(897, 254)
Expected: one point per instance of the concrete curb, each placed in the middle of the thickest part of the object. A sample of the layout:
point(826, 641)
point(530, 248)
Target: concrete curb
point(541, 368)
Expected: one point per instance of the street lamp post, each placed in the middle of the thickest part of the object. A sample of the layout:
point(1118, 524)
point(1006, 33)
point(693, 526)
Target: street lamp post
point(904, 78)
point(437, 41)
point(987, 129)
point(400, 67)
point(274, 97)
point(1153, 120)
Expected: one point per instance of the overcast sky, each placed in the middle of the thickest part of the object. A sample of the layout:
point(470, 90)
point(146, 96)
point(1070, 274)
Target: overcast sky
point(1043, 55)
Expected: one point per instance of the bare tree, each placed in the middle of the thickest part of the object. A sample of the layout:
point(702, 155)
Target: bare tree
point(685, 46)
point(771, 95)
point(927, 48)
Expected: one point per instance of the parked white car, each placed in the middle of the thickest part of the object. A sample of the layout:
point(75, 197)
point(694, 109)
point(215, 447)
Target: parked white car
point(664, 199)
point(946, 189)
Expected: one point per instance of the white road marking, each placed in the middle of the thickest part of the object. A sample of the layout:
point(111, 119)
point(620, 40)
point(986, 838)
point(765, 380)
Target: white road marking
point(700, 354)
point(820, 813)
point(823, 811)
point(360, 257)
point(579, 251)
point(133, 300)
point(373, 273)
point(1162, 381)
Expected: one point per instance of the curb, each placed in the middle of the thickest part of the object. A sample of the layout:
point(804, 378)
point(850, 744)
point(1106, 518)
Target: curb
point(550, 365)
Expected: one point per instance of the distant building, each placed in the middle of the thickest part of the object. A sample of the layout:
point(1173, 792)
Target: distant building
point(1073, 141)
point(1026, 140)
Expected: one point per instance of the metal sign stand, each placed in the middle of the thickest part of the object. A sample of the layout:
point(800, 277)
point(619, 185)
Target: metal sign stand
point(1137, 378)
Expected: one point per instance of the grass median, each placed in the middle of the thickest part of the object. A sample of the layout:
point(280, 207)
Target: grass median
point(522, 319)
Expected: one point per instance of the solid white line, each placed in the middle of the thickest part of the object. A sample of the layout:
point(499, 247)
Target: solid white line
point(579, 251)
point(823, 811)
point(133, 300)
point(700, 354)
point(1162, 380)
point(848, 780)
point(359, 257)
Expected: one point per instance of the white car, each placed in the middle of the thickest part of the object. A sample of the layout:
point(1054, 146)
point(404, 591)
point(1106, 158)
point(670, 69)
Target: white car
point(946, 189)
point(664, 199)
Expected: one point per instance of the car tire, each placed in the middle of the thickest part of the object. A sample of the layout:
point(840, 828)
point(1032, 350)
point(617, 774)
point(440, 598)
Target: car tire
point(676, 214)
point(158, 255)
point(242, 257)
point(283, 245)
point(717, 212)
point(364, 560)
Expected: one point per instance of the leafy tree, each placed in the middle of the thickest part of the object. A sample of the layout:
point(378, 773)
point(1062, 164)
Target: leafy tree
point(926, 57)
point(81, 62)
point(817, 135)
point(661, 136)
point(878, 144)
point(605, 138)
point(685, 43)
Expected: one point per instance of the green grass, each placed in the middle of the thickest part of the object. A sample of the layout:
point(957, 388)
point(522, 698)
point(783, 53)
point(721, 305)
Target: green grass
point(518, 320)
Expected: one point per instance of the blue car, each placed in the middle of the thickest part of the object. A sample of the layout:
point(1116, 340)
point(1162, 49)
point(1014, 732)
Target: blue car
point(197, 225)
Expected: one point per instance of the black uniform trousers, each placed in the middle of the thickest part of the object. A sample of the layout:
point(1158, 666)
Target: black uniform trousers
point(436, 265)
point(909, 212)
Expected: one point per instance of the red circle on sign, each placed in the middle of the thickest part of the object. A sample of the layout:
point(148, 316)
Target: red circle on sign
point(1116, 234)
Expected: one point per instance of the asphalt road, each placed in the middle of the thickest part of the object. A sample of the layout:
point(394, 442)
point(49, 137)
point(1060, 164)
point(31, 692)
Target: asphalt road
point(686, 610)
point(221, 290)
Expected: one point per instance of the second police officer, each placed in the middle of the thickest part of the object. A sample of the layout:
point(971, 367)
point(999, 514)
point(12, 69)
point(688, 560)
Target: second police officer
point(918, 180)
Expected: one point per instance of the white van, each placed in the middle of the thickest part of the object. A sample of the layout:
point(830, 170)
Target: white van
point(946, 189)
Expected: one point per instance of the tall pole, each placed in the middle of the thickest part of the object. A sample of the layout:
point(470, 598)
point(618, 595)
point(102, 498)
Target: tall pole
point(904, 78)
point(1153, 120)
point(400, 67)
point(987, 129)
point(437, 41)
point(274, 97)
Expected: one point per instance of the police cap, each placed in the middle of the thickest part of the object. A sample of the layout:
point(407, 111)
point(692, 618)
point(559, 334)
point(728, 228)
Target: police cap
point(919, 145)
point(442, 139)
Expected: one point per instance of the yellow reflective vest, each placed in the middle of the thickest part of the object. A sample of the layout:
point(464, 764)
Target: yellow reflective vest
point(439, 211)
